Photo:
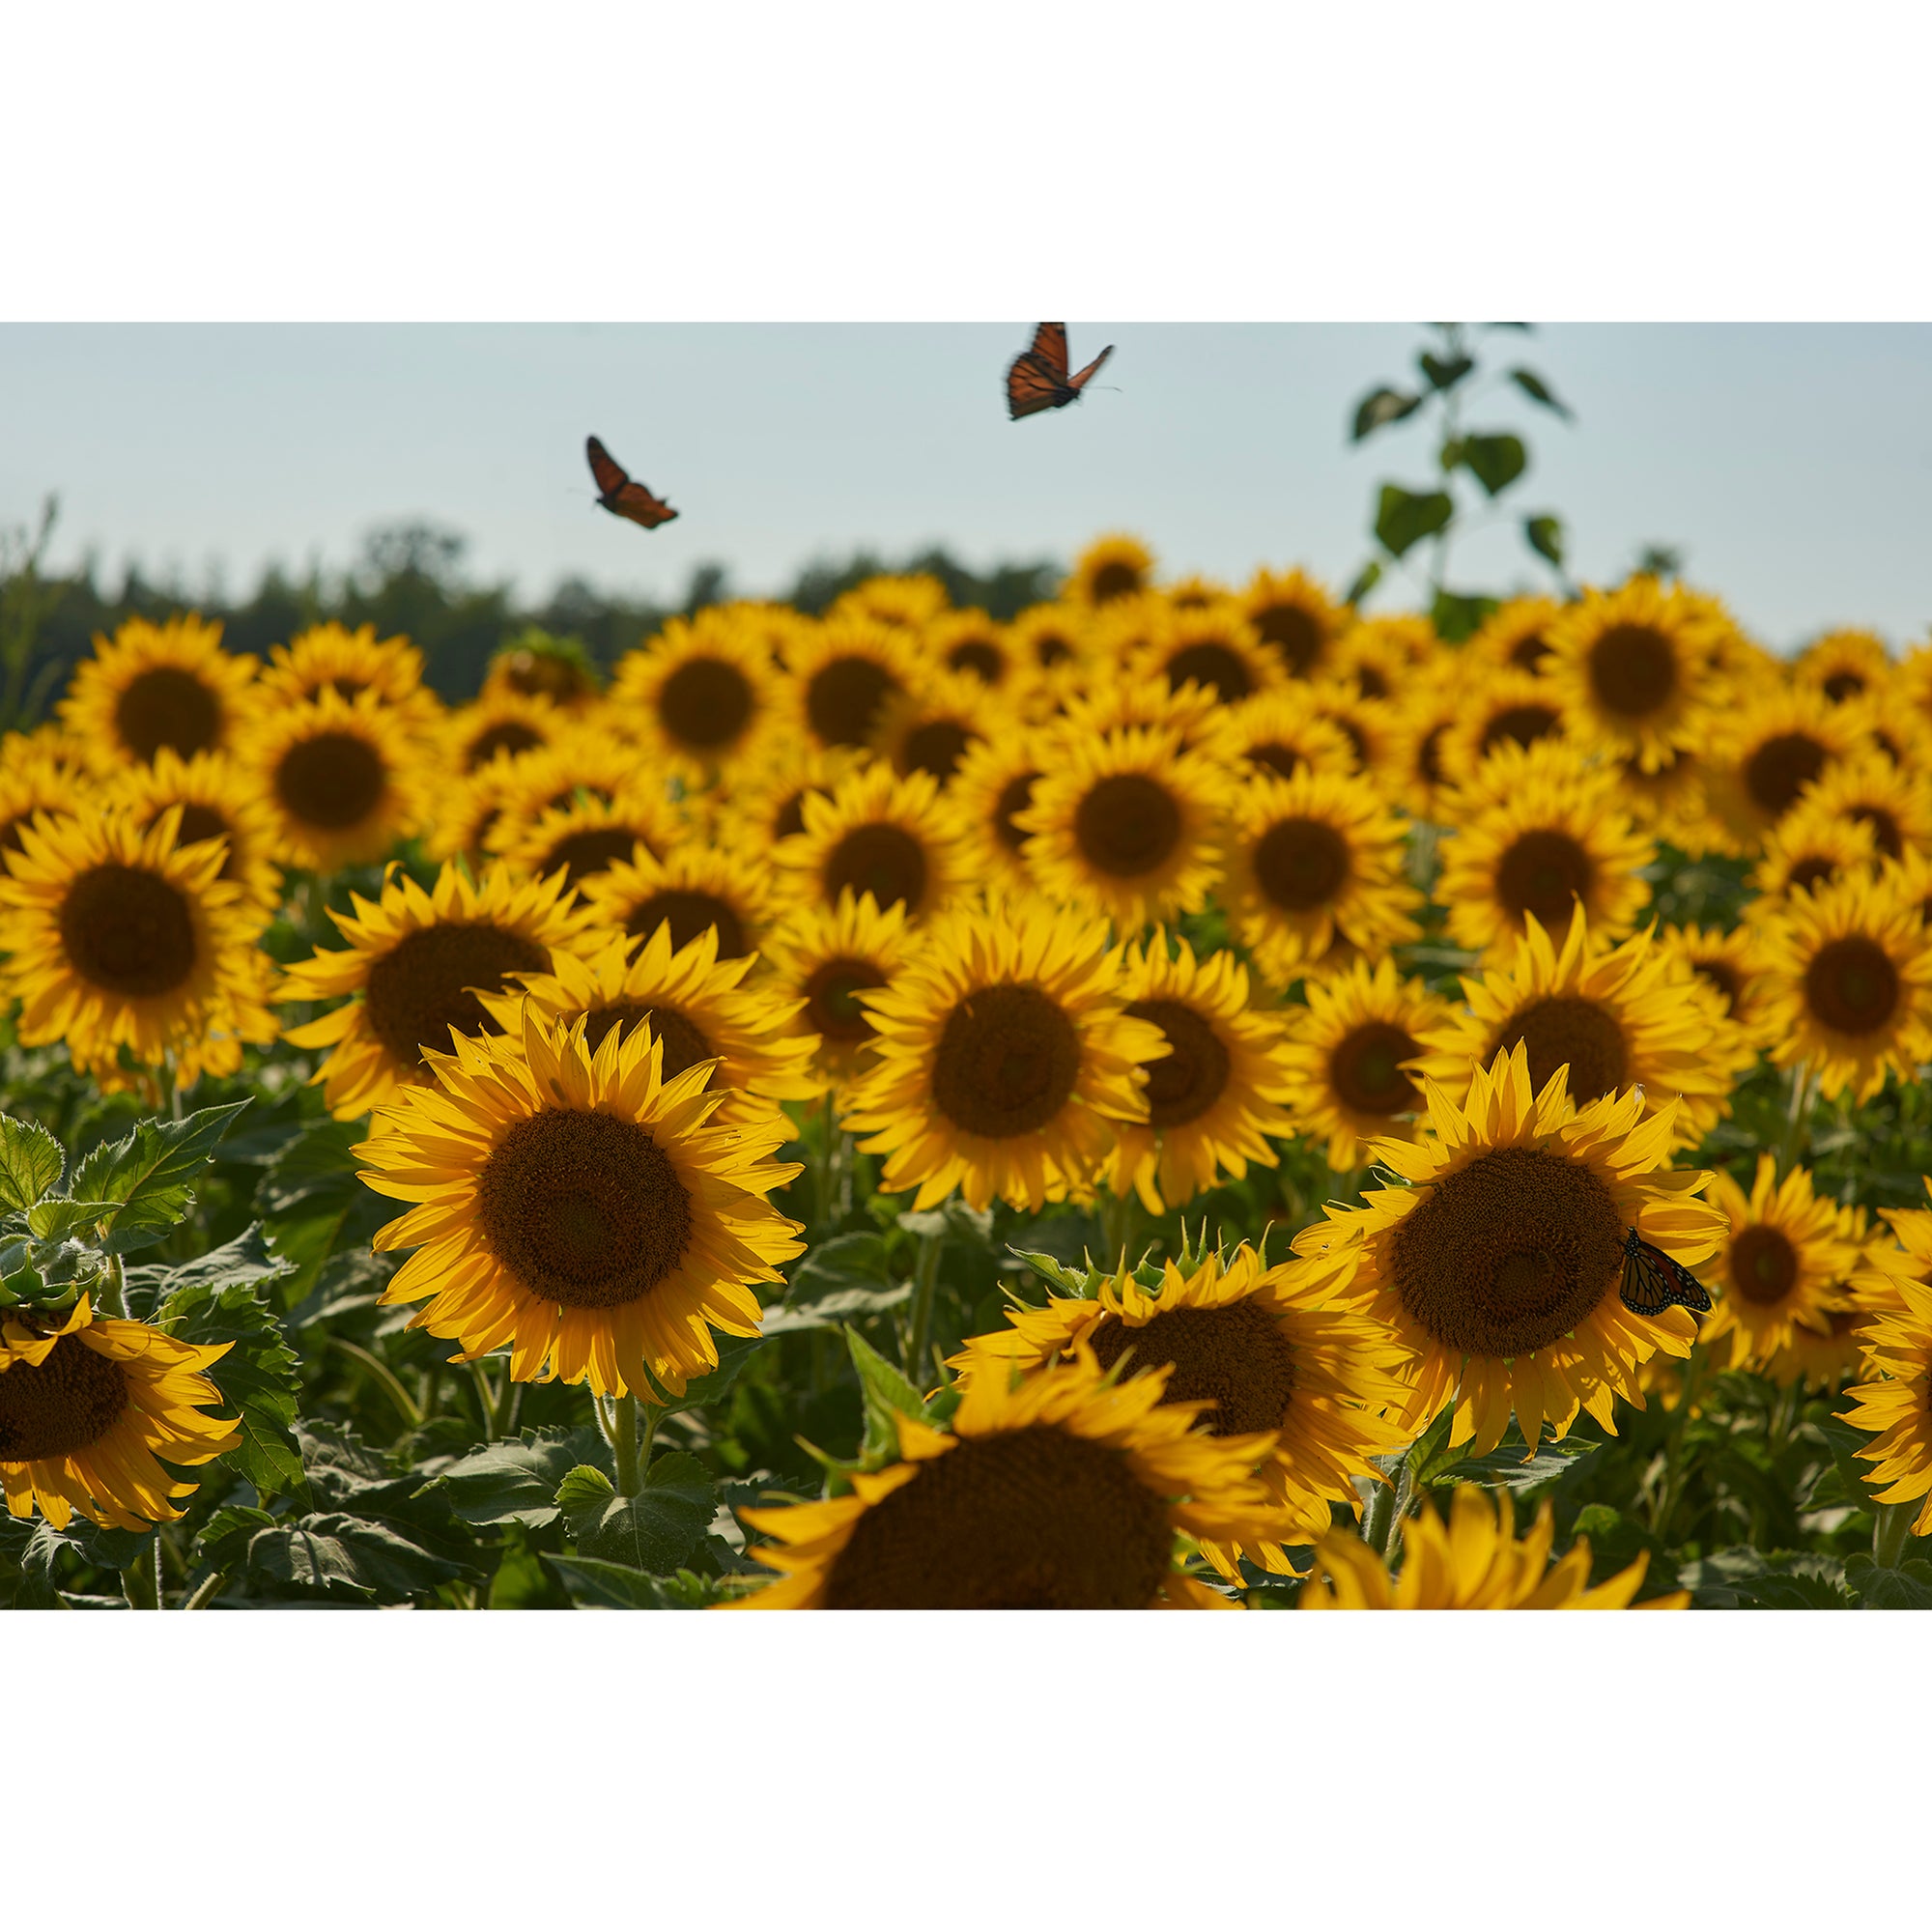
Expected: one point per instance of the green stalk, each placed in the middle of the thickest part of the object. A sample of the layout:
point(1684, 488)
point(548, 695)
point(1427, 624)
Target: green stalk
point(384, 1377)
point(1404, 1493)
point(1378, 1515)
point(624, 1443)
point(114, 1294)
point(925, 1283)
point(1892, 1526)
point(141, 1581)
point(1671, 1489)
point(1796, 1117)
point(487, 1399)
point(207, 1590)
point(1116, 1227)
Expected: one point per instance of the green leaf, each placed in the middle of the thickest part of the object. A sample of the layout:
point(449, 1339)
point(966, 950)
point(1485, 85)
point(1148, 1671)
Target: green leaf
point(334, 1550)
point(1366, 580)
point(1909, 1587)
point(1458, 618)
point(886, 1394)
point(833, 1310)
point(1509, 1465)
point(1379, 408)
point(31, 1161)
point(656, 1529)
point(847, 1261)
point(315, 1174)
point(1494, 461)
point(611, 1586)
point(1404, 517)
point(734, 1353)
point(147, 1175)
point(1444, 372)
point(241, 1263)
point(515, 1481)
point(29, 1551)
point(56, 1219)
point(583, 1490)
point(1543, 535)
point(1538, 390)
point(1745, 1578)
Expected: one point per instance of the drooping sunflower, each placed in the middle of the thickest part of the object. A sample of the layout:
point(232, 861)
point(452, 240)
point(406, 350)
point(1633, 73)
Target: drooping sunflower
point(1514, 637)
point(824, 957)
point(579, 1208)
point(691, 890)
point(86, 1405)
point(1844, 665)
point(702, 691)
point(1275, 732)
point(893, 836)
point(330, 657)
point(698, 1007)
point(1806, 849)
point(932, 729)
point(344, 780)
point(1731, 964)
point(165, 684)
point(1509, 707)
point(586, 836)
point(1124, 825)
point(1848, 984)
point(1058, 1491)
point(506, 723)
point(1474, 1562)
point(1311, 859)
point(1003, 1056)
point(1785, 1257)
point(1618, 1017)
point(1216, 647)
point(992, 786)
point(1633, 667)
point(1214, 1096)
point(1346, 1053)
point(1296, 619)
point(217, 800)
point(1267, 1351)
point(1893, 1399)
point(843, 672)
point(1110, 568)
point(118, 936)
point(906, 603)
point(1894, 803)
point(539, 663)
point(1771, 747)
point(414, 967)
point(1498, 1264)
point(969, 643)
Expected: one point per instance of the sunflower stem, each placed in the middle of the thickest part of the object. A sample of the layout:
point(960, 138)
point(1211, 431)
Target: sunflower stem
point(1671, 1489)
point(487, 1400)
point(206, 1591)
point(114, 1289)
point(1380, 1515)
point(1116, 1227)
point(1404, 1493)
point(384, 1377)
point(925, 1283)
point(141, 1581)
point(1796, 1117)
point(624, 1443)
point(1892, 1526)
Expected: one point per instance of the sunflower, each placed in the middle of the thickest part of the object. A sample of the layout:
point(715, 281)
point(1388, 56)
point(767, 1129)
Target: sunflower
point(586, 836)
point(467, 805)
point(1275, 732)
point(30, 782)
point(1731, 964)
point(697, 1009)
point(538, 663)
point(691, 890)
point(1216, 647)
point(1109, 569)
point(1123, 825)
point(1120, 635)
point(1416, 774)
point(1895, 1400)
point(993, 784)
point(343, 779)
point(329, 657)
point(217, 801)
point(767, 803)
point(1622, 1017)
point(1378, 656)
point(1509, 707)
point(1346, 1053)
point(505, 724)
point(1556, 841)
point(116, 936)
point(1112, 702)
point(1311, 859)
point(1515, 638)
point(701, 692)
point(414, 963)
point(908, 603)
point(1632, 668)
point(1049, 636)
point(1474, 1562)
point(1894, 805)
point(577, 1209)
point(165, 684)
point(1848, 984)
point(824, 958)
point(582, 760)
point(969, 643)
point(1004, 1055)
point(1215, 1094)
point(1372, 727)
point(1498, 1264)
point(1806, 849)
point(1296, 619)
point(1844, 665)
point(1770, 749)
point(1264, 1349)
point(893, 836)
point(844, 675)
point(1063, 1490)
point(86, 1405)
point(1894, 728)
point(930, 729)
point(1673, 804)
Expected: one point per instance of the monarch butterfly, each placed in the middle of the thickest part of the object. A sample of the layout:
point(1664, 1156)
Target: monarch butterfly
point(1651, 1282)
point(1037, 378)
point(621, 496)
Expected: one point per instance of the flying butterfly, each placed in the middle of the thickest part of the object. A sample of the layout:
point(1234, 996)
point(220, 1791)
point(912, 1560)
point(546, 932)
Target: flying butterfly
point(1651, 1282)
point(1037, 379)
point(621, 496)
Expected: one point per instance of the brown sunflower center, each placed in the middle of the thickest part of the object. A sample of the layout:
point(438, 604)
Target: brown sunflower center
point(582, 1209)
point(1526, 653)
point(705, 702)
point(1763, 1265)
point(1030, 1520)
point(1370, 681)
point(583, 854)
point(1015, 795)
point(1006, 1063)
point(684, 1043)
point(1780, 768)
point(63, 1407)
point(1194, 1074)
point(1049, 650)
point(1852, 986)
point(166, 705)
point(1545, 872)
point(1505, 1256)
point(830, 1002)
point(421, 988)
point(1519, 725)
point(1296, 634)
point(333, 780)
point(1365, 1069)
point(1301, 864)
point(1886, 833)
point(983, 660)
point(199, 822)
point(1429, 758)
point(1126, 825)
point(843, 699)
point(128, 932)
point(1566, 1030)
point(1723, 976)
point(1632, 670)
point(1115, 579)
point(936, 747)
point(1235, 1358)
point(1212, 666)
point(689, 913)
point(1809, 872)
point(789, 819)
point(884, 860)
point(546, 674)
point(510, 735)
point(1282, 759)
point(1843, 684)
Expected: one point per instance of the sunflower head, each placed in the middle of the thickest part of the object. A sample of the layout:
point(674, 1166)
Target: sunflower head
point(932, 729)
point(1843, 666)
point(1786, 1257)
point(217, 799)
point(969, 643)
point(702, 691)
point(824, 958)
point(1516, 636)
point(693, 890)
point(330, 657)
point(1109, 569)
point(878, 833)
point(539, 663)
point(153, 685)
point(905, 602)
point(1771, 748)
point(586, 836)
point(1213, 646)
point(1296, 619)
point(505, 725)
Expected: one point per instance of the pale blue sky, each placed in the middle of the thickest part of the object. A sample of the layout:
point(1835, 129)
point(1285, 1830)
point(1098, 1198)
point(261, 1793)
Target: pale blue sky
point(1793, 463)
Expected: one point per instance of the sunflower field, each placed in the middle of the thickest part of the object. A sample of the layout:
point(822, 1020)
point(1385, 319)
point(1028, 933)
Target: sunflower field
point(1191, 1097)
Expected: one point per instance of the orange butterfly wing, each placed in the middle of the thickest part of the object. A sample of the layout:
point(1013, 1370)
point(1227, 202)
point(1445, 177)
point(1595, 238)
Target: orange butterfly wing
point(610, 475)
point(1078, 382)
point(1032, 386)
point(620, 495)
point(1050, 346)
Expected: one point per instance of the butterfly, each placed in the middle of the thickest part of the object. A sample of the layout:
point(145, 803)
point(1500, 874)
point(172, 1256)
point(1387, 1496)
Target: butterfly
point(1038, 378)
point(621, 496)
point(1651, 1282)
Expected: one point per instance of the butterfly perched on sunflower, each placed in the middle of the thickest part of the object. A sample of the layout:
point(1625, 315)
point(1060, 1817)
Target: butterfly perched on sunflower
point(619, 494)
point(1036, 379)
point(1651, 1282)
